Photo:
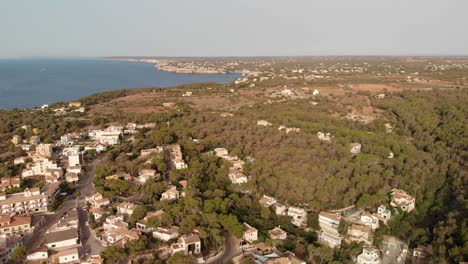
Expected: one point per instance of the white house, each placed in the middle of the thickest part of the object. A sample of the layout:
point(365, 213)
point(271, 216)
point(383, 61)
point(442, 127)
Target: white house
point(369, 255)
point(277, 233)
point(369, 219)
point(39, 254)
point(250, 233)
point(171, 194)
point(166, 233)
point(355, 148)
point(188, 244)
point(329, 221)
point(126, 208)
point(402, 200)
point(61, 239)
point(324, 136)
point(299, 215)
point(68, 256)
point(384, 213)
point(280, 209)
point(267, 201)
point(263, 123)
point(74, 160)
point(330, 239)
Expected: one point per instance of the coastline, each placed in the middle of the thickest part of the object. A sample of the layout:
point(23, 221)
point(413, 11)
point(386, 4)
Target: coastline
point(62, 80)
point(181, 67)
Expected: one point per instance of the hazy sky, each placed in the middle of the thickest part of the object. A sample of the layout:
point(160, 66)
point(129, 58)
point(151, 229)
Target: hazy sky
point(232, 27)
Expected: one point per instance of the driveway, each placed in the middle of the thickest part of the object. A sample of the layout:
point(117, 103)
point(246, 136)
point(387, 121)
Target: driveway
point(230, 250)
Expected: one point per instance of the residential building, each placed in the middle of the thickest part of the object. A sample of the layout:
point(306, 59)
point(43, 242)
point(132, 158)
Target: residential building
point(284, 258)
point(250, 233)
point(236, 176)
point(67, 256)
point(44, 150)
point(71, 177)
point(402, 200)
point(166, 233)
point(114, 222)
point(126, 208)
point(355, 148)
point(9, 182)
point(28, 202)
point(281, 209)
point(142, 224)
point(369, 219)
point(263, 123)
point(419, 255)
point(221, 152)
point(299, 216)
point(369, 255)
point(109, 136)
point(171, 194)
point(43, 167)
point(145, 175)
point(20, 160)
point(188, 244)
point(51, 189)
point(74, 169)
point(360, 233)
point(14, 225)
point(74, 160)
point(147, 152)
point(384, 213)
point(175, 153)
point(39, 255)
point(332, 240)
point(121, 236)
point(324, 136)
point(98, 212)
point(74, 104)
point(7, 245)
point(277, 233)
point(97, 200)
point(61, 239)
point(329, 222)
point(267, 201)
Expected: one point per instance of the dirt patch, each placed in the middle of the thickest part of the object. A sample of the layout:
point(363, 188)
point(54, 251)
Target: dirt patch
point(360, 108)
point(376, 87)
point(152, 102)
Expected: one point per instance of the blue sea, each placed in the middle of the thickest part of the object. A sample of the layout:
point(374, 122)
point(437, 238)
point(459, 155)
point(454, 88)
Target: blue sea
point(26, 83)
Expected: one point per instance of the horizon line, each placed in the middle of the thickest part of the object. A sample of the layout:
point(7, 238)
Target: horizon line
point(434, 55)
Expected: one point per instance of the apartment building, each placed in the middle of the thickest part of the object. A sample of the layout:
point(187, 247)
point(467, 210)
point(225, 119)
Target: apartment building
point(28, 202)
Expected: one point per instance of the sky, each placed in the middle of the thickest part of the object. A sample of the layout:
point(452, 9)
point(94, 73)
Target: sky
point(90, 28)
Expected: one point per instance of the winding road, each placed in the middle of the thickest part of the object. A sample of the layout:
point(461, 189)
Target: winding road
point(85, 187)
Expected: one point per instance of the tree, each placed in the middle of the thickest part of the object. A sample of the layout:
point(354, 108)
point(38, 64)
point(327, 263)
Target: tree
point(153, 222)
point(180, 258)
point(312, 220)
point(133, 247)
point(113, 254)
point(138, 214)
point(19, 254)
point(324, 254)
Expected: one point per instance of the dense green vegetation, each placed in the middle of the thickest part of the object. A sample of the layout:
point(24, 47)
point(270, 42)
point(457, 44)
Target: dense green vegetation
point(429, 142)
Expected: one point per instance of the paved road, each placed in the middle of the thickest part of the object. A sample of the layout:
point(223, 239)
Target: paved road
point(230, 250)
point(85, 187)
